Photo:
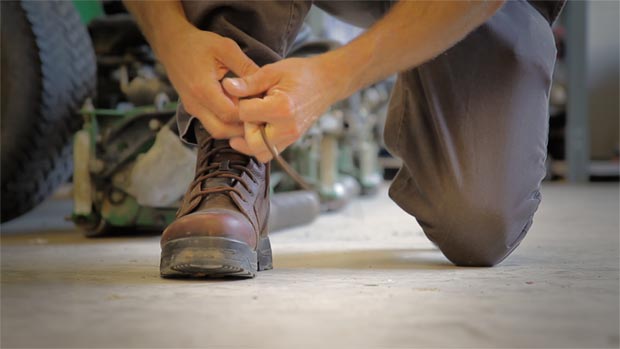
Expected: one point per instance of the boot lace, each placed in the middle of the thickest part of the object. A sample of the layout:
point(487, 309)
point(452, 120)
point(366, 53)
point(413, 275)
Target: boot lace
point(215, 164)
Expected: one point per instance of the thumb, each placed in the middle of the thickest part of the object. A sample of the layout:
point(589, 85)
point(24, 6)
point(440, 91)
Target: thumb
point(251, 85)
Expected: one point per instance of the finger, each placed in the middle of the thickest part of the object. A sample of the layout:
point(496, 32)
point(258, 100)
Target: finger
point(254, 139)
point(265, 110)
point(214, 98)
point(221, 130)
point(217, 128)
point(251, 85)
point(261, 149)
point(241, 145)
point(267, 155)
point(251, 143)
point(231, 55)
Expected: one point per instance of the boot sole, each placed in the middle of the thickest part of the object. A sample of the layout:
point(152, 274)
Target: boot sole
point(198, 257)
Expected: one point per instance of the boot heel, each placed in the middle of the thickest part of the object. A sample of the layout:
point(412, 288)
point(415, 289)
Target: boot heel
point(265, 259)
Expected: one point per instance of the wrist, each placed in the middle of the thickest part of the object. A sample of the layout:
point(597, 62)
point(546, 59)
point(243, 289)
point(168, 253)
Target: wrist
point(164, 24)
point(166, 39)
point(348, 67)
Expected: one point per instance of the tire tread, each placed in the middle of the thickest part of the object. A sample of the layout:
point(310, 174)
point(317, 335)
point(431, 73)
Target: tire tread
point(66, 77)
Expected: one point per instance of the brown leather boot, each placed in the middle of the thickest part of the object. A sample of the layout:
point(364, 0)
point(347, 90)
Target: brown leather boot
point(221, 227)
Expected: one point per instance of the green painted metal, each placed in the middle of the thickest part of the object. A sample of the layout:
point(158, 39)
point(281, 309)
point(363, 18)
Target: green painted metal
point(129, 112)
point(88, 9)
point(122, 214)
point(126, 212)
point(129, 213)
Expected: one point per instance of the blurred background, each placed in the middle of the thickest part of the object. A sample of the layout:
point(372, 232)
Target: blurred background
point(90, 88)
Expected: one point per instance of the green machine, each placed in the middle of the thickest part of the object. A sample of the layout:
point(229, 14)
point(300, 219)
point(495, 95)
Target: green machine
point(105, 152)
point(130, 169)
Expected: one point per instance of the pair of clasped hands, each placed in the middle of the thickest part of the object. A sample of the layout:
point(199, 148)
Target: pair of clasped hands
point(287, 96)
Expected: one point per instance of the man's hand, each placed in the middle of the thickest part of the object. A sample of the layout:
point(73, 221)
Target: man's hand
point(196, 61)
point(195, 65)
point(295, 93)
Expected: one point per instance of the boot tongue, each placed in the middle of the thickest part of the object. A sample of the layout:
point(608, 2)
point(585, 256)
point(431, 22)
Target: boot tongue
point(224, 158)
point(229, 154)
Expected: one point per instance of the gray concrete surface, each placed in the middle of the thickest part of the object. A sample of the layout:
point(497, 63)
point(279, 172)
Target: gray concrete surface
point(362, 278)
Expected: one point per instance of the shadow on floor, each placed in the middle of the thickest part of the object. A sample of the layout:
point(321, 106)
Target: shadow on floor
point(364, 259)
point(65, 237)
point(140, 272)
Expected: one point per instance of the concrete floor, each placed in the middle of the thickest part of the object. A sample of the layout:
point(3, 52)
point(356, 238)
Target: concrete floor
point(365, 277)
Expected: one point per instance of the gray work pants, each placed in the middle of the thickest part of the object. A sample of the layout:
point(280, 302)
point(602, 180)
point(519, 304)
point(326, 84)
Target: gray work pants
point(470, 125)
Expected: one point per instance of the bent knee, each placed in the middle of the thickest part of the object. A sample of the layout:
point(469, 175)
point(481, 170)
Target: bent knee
point(478, 237)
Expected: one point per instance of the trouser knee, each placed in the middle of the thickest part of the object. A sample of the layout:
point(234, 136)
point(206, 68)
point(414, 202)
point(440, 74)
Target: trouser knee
point(473, 235)
point(470, 229)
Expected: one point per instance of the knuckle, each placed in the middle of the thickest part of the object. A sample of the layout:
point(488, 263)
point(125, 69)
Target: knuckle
point(258, 147)
point(280, 117)
point(283, 111)
point(190, 108)
point(229, 44)
point(217, 133)
point(294, 132)
point(228, 115)
point(267, 68)
point(244, 117)
point(264, 157)
point(197, 89)
point(287, 106)
point(238, 131)
point(226, 119)
point(255, 145)
point(246, 69)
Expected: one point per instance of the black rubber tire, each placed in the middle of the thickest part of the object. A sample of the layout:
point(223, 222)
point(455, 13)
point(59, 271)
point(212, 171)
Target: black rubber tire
point(48, 70)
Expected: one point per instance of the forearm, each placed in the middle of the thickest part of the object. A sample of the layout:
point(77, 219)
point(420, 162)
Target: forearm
point(161, 22)
point(195, 61)
point(410, 34)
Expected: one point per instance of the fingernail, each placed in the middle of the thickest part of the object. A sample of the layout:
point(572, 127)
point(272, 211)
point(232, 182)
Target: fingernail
point(237, 83)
